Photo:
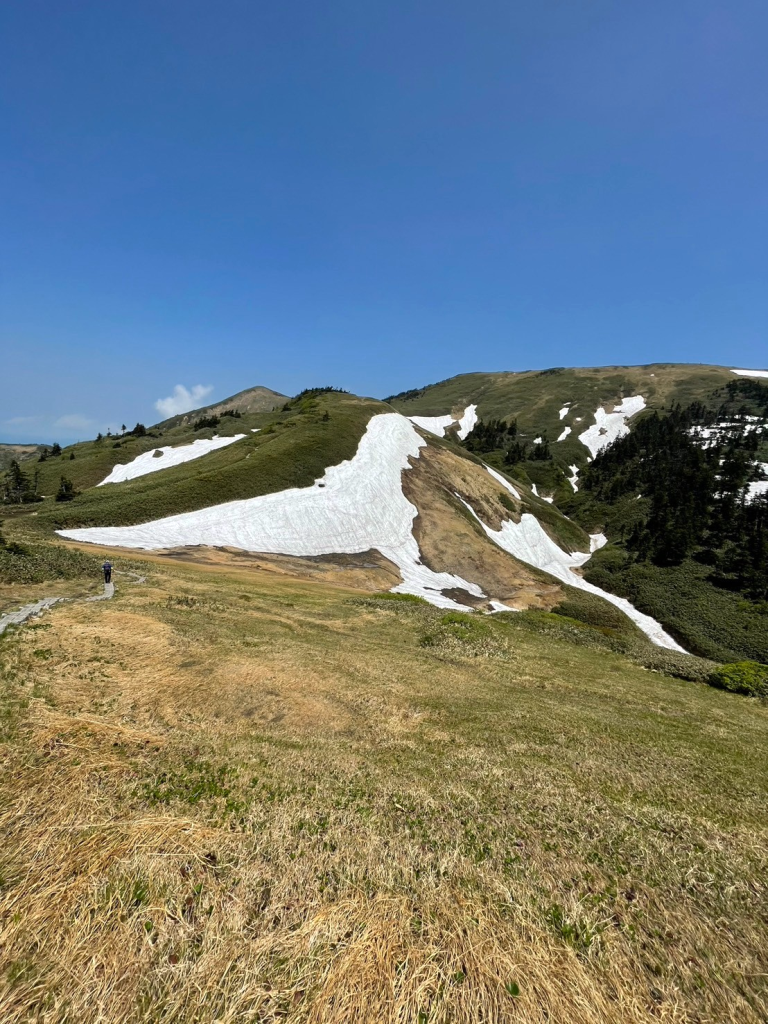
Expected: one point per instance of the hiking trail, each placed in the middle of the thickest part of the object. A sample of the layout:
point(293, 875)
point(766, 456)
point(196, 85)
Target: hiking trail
point(32, 611)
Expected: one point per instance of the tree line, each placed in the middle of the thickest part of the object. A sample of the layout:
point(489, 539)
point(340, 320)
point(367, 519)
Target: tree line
point(695, 495)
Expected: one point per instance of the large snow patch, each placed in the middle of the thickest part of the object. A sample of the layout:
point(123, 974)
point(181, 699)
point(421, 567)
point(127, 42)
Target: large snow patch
point(610, 425)
point(355, 506)
point(151, 462)
point(528, 542)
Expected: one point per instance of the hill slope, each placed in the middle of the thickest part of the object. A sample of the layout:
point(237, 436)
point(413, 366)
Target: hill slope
point(437, 509)
point(550, 428)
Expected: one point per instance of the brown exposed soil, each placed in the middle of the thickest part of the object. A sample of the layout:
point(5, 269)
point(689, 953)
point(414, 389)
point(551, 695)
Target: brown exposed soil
point(450, 540)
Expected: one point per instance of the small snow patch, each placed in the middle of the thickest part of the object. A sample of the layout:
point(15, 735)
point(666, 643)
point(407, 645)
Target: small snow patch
point(439, 424)
point(564, 434)
point(573, 477)
point(503, 481)
point(467, 422)
point(608, 426)
point(758, 487)
point(751, 373)
point(537, 440)
point(597, 541)
point(564, 411)
point(164, 458)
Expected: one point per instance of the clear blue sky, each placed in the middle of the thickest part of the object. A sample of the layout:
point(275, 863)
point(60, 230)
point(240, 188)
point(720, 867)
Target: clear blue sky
point(373, 195)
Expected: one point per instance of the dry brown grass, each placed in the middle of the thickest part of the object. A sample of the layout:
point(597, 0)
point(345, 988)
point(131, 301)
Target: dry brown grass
point(228, 796)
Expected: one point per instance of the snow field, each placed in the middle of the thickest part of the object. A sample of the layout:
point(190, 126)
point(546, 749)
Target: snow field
point(151, 462)
point(355, 506)
point(751, 373)
point(610, 425)
point(528, 542)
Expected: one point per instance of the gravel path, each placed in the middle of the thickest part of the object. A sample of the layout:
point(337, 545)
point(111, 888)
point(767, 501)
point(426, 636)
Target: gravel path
point(30, 611)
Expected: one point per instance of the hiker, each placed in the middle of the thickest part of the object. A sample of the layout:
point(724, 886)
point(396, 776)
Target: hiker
point(107, 568)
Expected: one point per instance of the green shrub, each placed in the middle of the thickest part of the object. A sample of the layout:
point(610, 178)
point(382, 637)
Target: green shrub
point(747, 677)
point(38, 563)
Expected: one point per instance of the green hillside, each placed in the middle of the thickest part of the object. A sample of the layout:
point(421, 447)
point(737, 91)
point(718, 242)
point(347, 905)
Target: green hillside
point(292, 448)
point(535, 397)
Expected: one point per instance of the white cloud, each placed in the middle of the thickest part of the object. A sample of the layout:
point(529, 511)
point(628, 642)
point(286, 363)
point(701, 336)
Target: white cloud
point(182, 400)
point(73, 421)
point(22, 421)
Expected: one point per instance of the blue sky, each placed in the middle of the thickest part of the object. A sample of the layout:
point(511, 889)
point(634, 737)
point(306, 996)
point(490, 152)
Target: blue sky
point(372, 195)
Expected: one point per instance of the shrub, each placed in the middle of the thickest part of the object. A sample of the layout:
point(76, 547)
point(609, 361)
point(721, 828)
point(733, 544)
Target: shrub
point(747, 677)
point(205, 421)
point(66, 491)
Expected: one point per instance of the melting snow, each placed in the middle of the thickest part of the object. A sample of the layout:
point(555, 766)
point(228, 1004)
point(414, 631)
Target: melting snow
point(597, 541)
point(468, 421)
point(528, 542)
point(758, 486)
point(564, 411)
point(751, 373)
point(151, 462)
point(503, 481)
point(573, 477)
point(610, 425)
point(542, 496)
point(434, 424)
point(439, 424)
point(564, 434)
point(710, 436)
point(355, 506)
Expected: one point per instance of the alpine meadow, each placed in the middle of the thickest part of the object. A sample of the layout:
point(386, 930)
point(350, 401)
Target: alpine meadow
point(447, 707)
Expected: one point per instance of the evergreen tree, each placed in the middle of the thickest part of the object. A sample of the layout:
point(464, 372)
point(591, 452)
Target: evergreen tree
point(66, 491)
point(17, 488)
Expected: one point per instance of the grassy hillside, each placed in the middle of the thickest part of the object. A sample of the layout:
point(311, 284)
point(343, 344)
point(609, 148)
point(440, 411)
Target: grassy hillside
point(535, 397)
point(17, 453)
point(230, 796)
point(292, 449)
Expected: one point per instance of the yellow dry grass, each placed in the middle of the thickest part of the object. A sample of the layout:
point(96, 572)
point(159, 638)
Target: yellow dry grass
point(229, 796)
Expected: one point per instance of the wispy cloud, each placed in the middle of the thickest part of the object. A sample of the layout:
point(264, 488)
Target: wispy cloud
point(22, 421)
point(73, 421)
point(182, 400)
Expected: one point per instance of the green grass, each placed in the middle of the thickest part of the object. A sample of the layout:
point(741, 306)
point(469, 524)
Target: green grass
point(534, 397)
point(293, 808)
point(705, 619)
point(292, 450)
point(40, 563)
